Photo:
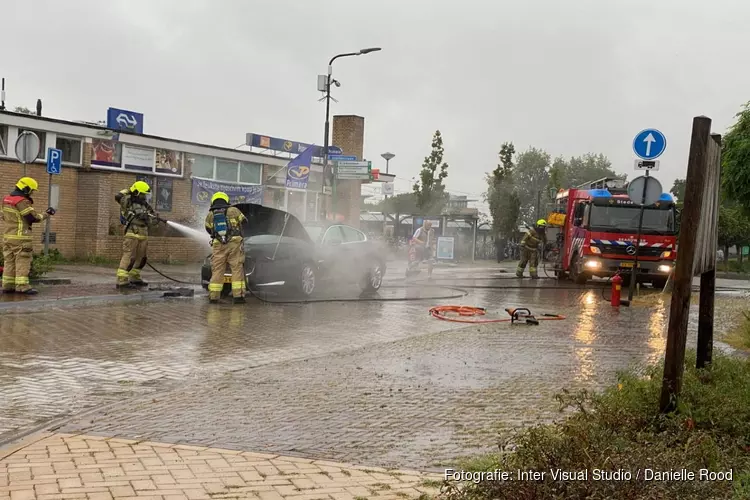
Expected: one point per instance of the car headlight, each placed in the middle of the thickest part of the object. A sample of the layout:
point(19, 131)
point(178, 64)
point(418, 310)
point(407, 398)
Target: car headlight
point(666, 255)
point(664, 269)
point(593, 264)
point(596, 250)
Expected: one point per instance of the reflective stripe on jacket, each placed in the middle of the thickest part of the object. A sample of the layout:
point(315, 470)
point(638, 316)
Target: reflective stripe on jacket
point(19, 215)
point(531, 240)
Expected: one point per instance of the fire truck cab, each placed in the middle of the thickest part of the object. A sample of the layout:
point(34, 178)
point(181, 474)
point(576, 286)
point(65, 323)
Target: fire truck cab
point(597, 233)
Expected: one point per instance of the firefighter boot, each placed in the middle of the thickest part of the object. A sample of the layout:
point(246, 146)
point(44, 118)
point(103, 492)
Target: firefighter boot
point(239, 300)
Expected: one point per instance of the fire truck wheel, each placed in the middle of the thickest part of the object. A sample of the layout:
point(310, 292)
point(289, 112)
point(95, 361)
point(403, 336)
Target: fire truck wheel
point(578, 276)
point(561, 275)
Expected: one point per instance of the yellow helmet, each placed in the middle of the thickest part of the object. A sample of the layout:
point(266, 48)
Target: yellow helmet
point(139, 187)
point(27, 184)
point(541, 223)
point(219, 196)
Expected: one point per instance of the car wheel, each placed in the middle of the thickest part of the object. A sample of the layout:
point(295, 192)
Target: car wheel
point(373, 278)
point(578, 276)
point(306, 282)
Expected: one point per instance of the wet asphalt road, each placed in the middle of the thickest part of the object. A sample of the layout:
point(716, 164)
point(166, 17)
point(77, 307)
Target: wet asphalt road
point(381, 383)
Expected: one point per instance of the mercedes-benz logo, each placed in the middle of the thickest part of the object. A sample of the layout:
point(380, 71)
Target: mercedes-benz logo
point(630, 250)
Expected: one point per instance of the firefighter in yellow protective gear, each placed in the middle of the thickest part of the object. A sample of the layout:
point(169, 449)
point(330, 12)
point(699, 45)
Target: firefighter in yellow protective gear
point(19, 215)
point(137, 215)
point(224, 224)
point(532, 241)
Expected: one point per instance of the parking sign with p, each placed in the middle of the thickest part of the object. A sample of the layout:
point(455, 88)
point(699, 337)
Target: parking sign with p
point(54, 161)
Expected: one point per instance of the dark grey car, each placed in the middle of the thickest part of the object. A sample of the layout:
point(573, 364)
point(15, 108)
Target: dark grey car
point(282, 253)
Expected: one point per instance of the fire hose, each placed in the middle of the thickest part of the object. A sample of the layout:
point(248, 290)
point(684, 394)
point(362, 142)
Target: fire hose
point(519, 314)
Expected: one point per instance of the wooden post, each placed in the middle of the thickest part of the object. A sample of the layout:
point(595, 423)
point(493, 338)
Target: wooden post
point(706, 319)
point(705, 346)
point(674, 358)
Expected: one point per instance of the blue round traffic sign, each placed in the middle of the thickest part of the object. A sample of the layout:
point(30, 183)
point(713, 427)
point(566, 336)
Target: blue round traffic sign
point(649, 144)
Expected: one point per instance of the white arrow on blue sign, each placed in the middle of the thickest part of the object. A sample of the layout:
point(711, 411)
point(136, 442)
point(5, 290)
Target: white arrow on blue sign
point(54, 161)
point(649, 144)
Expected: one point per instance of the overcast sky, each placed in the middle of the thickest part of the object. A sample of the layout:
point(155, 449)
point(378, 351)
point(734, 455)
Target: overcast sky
point(570, 76)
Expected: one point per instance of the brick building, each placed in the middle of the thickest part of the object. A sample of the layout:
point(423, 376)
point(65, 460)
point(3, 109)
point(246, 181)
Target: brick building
point(98, 162)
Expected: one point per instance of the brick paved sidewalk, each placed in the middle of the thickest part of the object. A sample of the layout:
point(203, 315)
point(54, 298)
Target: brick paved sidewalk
point(68, 466)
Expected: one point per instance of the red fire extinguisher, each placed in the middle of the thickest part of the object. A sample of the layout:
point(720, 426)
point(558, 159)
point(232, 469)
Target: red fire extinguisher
point(616, 288)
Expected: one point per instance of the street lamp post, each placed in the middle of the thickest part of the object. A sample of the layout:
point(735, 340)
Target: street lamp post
point(387, 157)
point(328, 113)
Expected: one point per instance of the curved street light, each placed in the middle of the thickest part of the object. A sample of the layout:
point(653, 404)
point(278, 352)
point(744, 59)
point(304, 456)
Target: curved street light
point(328, 114)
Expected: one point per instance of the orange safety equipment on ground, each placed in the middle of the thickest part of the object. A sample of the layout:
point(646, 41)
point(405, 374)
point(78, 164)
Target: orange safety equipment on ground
point(19, 215)
point(224, 224)
point(441, 312)
point(137, 216)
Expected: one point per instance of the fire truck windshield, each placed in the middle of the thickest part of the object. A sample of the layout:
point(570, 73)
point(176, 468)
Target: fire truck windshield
point(624, 219)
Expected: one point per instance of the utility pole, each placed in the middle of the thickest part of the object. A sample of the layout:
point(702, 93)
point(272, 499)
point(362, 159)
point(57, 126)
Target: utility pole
point(328, 81)
point(387, 157)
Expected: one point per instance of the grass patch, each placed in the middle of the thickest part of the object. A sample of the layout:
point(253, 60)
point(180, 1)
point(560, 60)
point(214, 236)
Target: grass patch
point(734, 266)
point(739, 337)
point(621, 429)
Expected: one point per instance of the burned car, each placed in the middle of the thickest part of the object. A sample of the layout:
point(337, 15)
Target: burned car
point(282, 253)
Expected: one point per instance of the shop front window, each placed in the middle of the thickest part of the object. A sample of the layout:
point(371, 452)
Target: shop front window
point(71, 149)
point(296, 204)
point(226, 171)
point(250, 173)
point(201, 166)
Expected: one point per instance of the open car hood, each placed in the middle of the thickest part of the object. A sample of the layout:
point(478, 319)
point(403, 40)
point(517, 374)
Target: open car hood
point(267, 220)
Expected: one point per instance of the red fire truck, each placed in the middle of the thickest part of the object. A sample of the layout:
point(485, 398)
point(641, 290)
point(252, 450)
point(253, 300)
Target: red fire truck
point(595, 228)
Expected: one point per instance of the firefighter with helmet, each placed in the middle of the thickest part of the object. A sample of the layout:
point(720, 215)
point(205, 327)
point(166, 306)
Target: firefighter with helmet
point(137, 215)
point(224, 224)
point(532, 241)
point(19, 215)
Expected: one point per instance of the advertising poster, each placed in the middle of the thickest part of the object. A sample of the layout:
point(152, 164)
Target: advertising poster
point(168, 162)
point(164, 189)
point(445, 246)
point(138, 158)
point(105, 153)
point(203, 190)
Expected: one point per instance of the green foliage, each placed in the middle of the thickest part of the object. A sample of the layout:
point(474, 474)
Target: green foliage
point(41, 264)
point(678, 189)
point(735, 159)
point(622, 429)
point(734, 225)
point(23, 109)
point(404, 203)
point(581, 169)
point(531, 177)
point(430, 192)
point(505, 206)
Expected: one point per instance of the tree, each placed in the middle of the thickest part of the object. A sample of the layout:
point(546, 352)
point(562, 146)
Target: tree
point(531, 177)
point(734, 228)
point(404, 203)
point(501, 193)
point(582, 169)
point(678, 189)
point(735, 159)
point(429, 190)
point(22, 109)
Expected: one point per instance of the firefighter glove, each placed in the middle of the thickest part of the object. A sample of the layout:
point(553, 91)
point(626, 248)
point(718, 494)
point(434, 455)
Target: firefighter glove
point(51, 211)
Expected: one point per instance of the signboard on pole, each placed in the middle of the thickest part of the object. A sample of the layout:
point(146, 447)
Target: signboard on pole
point(649, 144)
point(54, 161)
point(445, 248)
point(649, 165)
point(28, 147)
